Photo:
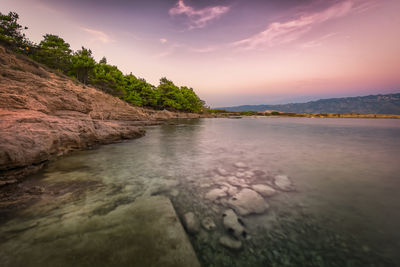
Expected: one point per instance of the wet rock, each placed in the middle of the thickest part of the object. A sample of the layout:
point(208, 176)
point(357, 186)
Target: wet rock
point(191, 223)
point(230, 243)
point(232, 180)
point(264, 190)
point(232, 224)
point(214, 194)
point(248, 202)
point(283, 183)
point(222, 171)
point(240, 165)
point(208, 224)
point(240, 174)
point(232, 190)
point(248, 174)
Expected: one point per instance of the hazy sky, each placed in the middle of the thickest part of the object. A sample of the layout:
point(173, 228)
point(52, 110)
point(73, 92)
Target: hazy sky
point(235, 51)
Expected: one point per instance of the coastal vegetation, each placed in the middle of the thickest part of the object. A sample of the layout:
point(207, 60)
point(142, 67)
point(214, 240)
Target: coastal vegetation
point(55, 53)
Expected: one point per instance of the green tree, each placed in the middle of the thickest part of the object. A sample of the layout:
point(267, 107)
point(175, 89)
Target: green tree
point(54, 52)
point(83, 64)
point(103, 60)
point(108, 78)
point(11, 33)
point(147, 92)
point(192, 102)
point(169, 95)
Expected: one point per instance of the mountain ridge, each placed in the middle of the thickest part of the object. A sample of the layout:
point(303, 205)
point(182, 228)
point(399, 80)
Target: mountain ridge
point(370, 104)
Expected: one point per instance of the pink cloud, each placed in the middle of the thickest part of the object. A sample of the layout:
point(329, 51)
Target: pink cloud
point(98, 35)
point(198, 18)
point(286, 32)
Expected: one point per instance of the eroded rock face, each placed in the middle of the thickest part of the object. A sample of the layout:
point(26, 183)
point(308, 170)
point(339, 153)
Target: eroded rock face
point(44, 115)
point(248, 202)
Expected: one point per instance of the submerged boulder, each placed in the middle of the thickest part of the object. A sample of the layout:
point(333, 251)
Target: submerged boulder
point(264, 190)
point(216, 193)
point(229, 242)
point(222, 171)
point(248, 202)
point(240, 165)
point(191, 223)
point(283, 183)
point(232, 224)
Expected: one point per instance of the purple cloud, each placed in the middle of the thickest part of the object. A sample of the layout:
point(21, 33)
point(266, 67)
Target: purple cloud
point(200, 17)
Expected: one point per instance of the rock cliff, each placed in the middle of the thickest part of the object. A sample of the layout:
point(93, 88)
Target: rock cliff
point(44, 114)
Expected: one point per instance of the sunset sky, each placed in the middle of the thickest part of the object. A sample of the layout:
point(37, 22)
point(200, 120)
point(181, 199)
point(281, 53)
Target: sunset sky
point(235, 51)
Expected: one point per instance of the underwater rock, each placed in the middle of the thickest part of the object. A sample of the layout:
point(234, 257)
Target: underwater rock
point(240, 165)
point(232, 180)
point(222, 171)
point(248, 174)
point(232, 224)
point(191, 223)
point(264, 190)
point(248, 202)
point(174, 192)
point(240, 174)
point(283, 183)
point(228, 242)
point(208, 224)
point(214, 194)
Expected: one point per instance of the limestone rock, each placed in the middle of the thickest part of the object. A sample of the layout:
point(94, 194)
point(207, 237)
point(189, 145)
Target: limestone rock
point(191, 223)
point(232, 224)
point(230, 243)
point(248, 202)
point(283, 183)
point(264, 190)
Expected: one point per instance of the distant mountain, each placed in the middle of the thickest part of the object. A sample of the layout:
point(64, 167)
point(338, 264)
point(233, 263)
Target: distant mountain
point(372, 104)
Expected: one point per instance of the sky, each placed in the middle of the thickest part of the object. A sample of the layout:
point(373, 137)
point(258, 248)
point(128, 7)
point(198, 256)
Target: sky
point(234, 52)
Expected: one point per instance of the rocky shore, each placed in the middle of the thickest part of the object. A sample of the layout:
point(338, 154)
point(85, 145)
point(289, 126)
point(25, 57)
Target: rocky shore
point(44, 115)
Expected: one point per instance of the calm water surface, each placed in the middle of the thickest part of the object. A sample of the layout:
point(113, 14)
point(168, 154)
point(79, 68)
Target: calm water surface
point(344, 211)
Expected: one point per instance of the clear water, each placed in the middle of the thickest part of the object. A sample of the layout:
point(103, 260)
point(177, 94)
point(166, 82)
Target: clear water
point(345, 210)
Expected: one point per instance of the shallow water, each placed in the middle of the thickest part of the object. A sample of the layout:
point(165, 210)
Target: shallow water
point(344, 211)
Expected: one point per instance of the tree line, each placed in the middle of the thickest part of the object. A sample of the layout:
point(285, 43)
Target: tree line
point(54, 52)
